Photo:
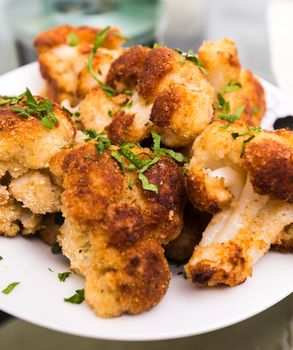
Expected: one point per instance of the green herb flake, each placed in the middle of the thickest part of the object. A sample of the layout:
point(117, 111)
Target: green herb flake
point(145, 183)
point(231, 87)
point(101, 141)
point(185, 171)
point(179, 157)
point(156, 45)
point(50, 269)
point(128, 105)
point(191, 56)
point(100, 38)
point(63, 276)
point(42, 109)
point(72, 39)
point(77, 298)
point(118, 159)
point(131, 184)
point(128, 92)
point(56, 249)
point(244, 143)
point(222, 103)
point(1, 258)
point(10, 288)
point(231, 118)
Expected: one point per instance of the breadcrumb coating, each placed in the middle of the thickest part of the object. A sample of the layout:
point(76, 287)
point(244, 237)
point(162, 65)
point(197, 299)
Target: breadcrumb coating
point(244, 175)
point(113, 231)
point(26, 147)
point(63, 65)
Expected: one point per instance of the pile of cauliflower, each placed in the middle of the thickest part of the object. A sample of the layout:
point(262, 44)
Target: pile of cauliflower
point(150, 155)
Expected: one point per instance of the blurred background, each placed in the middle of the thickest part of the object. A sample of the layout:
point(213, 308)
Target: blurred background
point(175, 23)
point(263, 31)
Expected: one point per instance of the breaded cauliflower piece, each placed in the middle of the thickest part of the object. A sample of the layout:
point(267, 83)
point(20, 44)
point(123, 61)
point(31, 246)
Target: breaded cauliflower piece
point(221, 60)
point(36, 192)
point(26, 144)
point(114, 228)
point(170, 95)
point(63, 62)
point(244, 176)
point(26, 147)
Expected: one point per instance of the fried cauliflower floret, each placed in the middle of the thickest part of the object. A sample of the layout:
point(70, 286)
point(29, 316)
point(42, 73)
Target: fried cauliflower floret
point(26, 147)
point(170, 95)
point(26, 144)
point(62, 63)
point(244, 176)
point(114, 229)
point(36, 192)
point(221, 60)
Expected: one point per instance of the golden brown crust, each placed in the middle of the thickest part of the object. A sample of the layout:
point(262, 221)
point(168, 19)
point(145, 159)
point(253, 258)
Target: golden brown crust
point(125, 70)
point(123, 226)
point(118, 130)
point(157, 64)
point(206, 193)
point(230, 267)
point(86, 35)
point(270, 167)
point(166, 103)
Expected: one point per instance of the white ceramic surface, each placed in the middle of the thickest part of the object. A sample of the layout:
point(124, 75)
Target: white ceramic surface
point(185, 310)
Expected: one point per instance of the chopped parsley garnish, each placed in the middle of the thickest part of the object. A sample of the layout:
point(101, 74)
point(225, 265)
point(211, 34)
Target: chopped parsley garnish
point(231, 87)
point(191, 56)
point(1, 258)
point(101, 141)
point(72, 39)
point(100, 38)
point(10, 287)
point(128, 92)
point(185, 171)
point(222, 103)
point(156, 45)
point(160, 151)
point(50, 269)
point(231, 118)
point(67, 111)
point(128, 104)
point(251, 132)
point(76, 298)
point(63, 276)
point(56, 249)
point(4, 100)
point(42, 109)
point(140, 165)
point(110, 113)
point(119, 159)
point(131, 184)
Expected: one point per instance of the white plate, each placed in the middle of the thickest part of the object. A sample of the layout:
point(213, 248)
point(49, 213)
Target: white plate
point(185, 310)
